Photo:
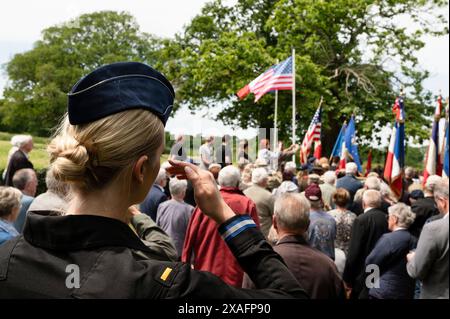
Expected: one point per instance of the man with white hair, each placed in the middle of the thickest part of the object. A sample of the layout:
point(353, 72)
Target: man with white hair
point(425, 208)
point(263, 199)
point(328, 188)
point(19, 159)
point(206, 152)
point(429, 262)
point(155, 196)
point(203, 247)
point(315, 272)
point(177, 152)
point(367, 229)
point(371, 182)
point(349, 181)
point(173, 215)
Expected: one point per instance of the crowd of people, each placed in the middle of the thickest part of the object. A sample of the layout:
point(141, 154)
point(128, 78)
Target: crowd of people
point(259, 228)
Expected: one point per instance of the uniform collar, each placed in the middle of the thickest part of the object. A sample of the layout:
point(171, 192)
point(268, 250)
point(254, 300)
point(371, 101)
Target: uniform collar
point(297, 239)
point(78, 232)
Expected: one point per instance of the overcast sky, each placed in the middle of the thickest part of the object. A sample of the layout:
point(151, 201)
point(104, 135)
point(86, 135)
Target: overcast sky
point(22, 21)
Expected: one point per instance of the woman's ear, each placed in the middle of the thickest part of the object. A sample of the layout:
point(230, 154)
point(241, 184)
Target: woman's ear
point(139, 168)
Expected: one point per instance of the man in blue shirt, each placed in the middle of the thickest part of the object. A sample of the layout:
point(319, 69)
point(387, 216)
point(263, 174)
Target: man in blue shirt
point(349, 181)
point(322, 227)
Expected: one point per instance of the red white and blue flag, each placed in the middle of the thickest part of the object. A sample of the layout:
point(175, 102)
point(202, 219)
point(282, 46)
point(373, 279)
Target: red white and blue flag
point(278, 77)
point(395, 161)
point(434, 159)
point(313, 135)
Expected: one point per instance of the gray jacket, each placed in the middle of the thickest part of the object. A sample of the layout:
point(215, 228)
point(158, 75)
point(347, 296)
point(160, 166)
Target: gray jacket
point(430, 263)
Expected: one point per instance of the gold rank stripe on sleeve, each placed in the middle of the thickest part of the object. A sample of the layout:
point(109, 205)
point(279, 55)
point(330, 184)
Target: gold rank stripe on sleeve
point(166, 273)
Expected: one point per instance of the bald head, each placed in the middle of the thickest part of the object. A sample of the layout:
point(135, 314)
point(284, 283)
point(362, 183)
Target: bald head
point(291, 213)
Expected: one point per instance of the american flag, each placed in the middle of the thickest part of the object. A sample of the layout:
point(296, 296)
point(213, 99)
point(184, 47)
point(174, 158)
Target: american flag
point(278, 77)
point(312, 136)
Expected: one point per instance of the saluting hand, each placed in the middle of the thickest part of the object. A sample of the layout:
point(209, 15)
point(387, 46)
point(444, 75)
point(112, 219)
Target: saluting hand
point(207, 195)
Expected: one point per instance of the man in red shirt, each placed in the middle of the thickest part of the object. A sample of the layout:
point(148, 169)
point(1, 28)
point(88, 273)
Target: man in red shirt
point(203, 246)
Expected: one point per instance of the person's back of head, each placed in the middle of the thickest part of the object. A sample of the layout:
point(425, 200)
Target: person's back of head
point(351, 168)
point(314, 195)
point(402, 214)
point(291, 214)
point(329, 178)
point(371, 199)
point(341, 197)
point(229, 176)
point(290, 167)
point(10, 198)
point(430, 183)
point(260, 177)
point(177, 188)
point(25, 180)
point(372, 183)
point(56, 186)
point(313, 179)
point(214, 169)
point(91, 156)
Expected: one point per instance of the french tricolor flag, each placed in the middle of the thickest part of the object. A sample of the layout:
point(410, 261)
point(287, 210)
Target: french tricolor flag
point(434, 161)
point(395, 159)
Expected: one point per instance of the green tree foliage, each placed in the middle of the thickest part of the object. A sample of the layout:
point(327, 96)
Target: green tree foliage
point(355, 53)
point(39, 79)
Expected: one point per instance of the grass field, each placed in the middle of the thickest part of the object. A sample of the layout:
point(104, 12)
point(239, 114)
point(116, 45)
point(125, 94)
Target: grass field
point(38, 156)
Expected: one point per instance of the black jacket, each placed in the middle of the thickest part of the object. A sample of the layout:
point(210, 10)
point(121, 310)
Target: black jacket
point(41, 263)
point(18, 161)
point(154, 198)
point(424, 208)
point(367, 229)
point(389, 255)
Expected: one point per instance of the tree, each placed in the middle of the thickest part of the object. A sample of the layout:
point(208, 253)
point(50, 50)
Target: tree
point(354, 53)
point(36, 98)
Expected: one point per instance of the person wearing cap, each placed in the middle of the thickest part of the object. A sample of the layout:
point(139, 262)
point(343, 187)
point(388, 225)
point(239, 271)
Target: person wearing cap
point(314, 271)
point(415, 195)
point(322, 229)
point(426, 207)
point(108, 150)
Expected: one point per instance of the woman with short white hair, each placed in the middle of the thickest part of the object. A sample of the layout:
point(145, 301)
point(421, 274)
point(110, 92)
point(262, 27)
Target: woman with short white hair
point(9, 210)
point(389, 253)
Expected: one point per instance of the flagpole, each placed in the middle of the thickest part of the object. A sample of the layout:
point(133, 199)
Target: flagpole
point(293, 101)
point(275, 122)
point(275, 119)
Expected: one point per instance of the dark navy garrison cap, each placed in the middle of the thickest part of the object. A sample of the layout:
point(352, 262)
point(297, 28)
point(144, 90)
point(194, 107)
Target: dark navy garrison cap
point(118, 87)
